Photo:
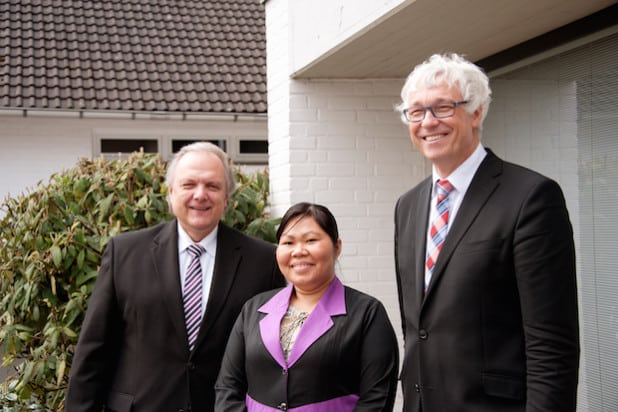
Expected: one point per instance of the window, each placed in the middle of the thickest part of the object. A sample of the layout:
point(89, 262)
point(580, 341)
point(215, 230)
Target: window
point(242, 150)
point(251, 151)
point(559, 116)
point(177, 144)
point(129, 145)
point(112, 146)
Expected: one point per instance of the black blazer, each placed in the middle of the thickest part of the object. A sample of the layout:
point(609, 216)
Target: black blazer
point(497, 329)
point(345, 356)
point(132, 353)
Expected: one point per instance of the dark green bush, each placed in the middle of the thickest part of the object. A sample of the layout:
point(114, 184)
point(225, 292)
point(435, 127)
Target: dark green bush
point(51, 240)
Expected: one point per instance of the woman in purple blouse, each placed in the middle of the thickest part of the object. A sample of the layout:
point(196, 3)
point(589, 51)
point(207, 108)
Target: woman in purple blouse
point(315, 345)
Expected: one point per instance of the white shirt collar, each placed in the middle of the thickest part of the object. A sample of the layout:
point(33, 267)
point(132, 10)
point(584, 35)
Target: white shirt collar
point(209, 242)
point(462, 176)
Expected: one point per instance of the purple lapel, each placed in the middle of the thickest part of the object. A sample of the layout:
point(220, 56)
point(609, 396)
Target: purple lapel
point(317, 324)
point(275, 308)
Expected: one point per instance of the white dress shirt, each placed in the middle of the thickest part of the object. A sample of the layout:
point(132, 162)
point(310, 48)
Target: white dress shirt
point(207, 260)
point(460, 180)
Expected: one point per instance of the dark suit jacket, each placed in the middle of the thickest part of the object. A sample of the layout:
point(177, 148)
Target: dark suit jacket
point(497, 329)
point(132, 353)
point(344, 358)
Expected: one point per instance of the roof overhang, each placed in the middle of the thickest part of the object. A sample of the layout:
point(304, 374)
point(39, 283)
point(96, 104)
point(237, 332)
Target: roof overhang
point(391, 46)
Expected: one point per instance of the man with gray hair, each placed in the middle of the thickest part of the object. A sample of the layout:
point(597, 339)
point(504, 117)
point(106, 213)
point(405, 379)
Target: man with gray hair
point(485, 262)
point(166, 298)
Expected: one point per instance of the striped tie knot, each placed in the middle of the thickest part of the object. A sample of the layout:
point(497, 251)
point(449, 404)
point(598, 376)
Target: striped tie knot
point(196, 250)
point(444, 187)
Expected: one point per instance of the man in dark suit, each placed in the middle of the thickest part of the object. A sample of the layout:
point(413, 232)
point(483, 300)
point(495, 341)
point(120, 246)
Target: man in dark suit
point(485, 262)
point(135, 352)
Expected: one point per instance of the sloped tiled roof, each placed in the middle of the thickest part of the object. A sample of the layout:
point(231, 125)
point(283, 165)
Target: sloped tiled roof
point(135, 55)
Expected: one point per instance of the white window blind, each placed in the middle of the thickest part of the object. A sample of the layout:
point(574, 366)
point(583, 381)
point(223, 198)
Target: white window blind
point(560, 117)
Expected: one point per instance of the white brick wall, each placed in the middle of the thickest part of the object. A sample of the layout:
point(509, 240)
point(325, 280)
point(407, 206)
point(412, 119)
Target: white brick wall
point(340, 143)
point(346, 149)
point(356, 161)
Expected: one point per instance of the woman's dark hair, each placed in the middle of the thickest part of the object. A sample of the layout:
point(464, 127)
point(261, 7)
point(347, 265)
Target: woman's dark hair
point(319, 213)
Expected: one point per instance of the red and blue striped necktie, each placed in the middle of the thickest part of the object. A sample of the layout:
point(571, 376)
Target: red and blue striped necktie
point(439, 226)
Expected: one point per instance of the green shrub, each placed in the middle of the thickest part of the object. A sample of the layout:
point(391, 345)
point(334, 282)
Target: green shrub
point(51, 240)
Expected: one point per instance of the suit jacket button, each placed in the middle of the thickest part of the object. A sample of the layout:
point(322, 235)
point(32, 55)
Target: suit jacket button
point(282, 406)
point(423, 334)
point(417, 387)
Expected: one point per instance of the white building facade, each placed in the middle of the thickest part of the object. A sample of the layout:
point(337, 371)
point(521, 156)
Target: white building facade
point(335, 71)
point(36, 145)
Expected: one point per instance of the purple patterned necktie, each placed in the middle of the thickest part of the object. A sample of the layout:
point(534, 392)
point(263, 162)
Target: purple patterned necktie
point(192, 298)
point(439, 226)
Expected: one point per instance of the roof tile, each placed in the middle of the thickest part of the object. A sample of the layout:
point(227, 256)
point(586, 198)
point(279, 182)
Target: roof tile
point(163, 55)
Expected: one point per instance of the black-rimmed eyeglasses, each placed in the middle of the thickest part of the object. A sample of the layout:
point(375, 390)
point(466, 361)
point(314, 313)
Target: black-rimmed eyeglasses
point(440, 110)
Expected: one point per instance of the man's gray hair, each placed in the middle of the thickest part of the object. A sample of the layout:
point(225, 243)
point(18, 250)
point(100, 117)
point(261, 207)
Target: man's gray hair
point(230, 182)
point(454, 71)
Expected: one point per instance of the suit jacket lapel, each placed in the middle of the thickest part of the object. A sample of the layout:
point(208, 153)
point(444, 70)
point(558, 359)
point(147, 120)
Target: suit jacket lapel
point(481, 187)
point(332, 303)
point(422, 219)
point(227, 260)
point(270, 325)
point(164, 255)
